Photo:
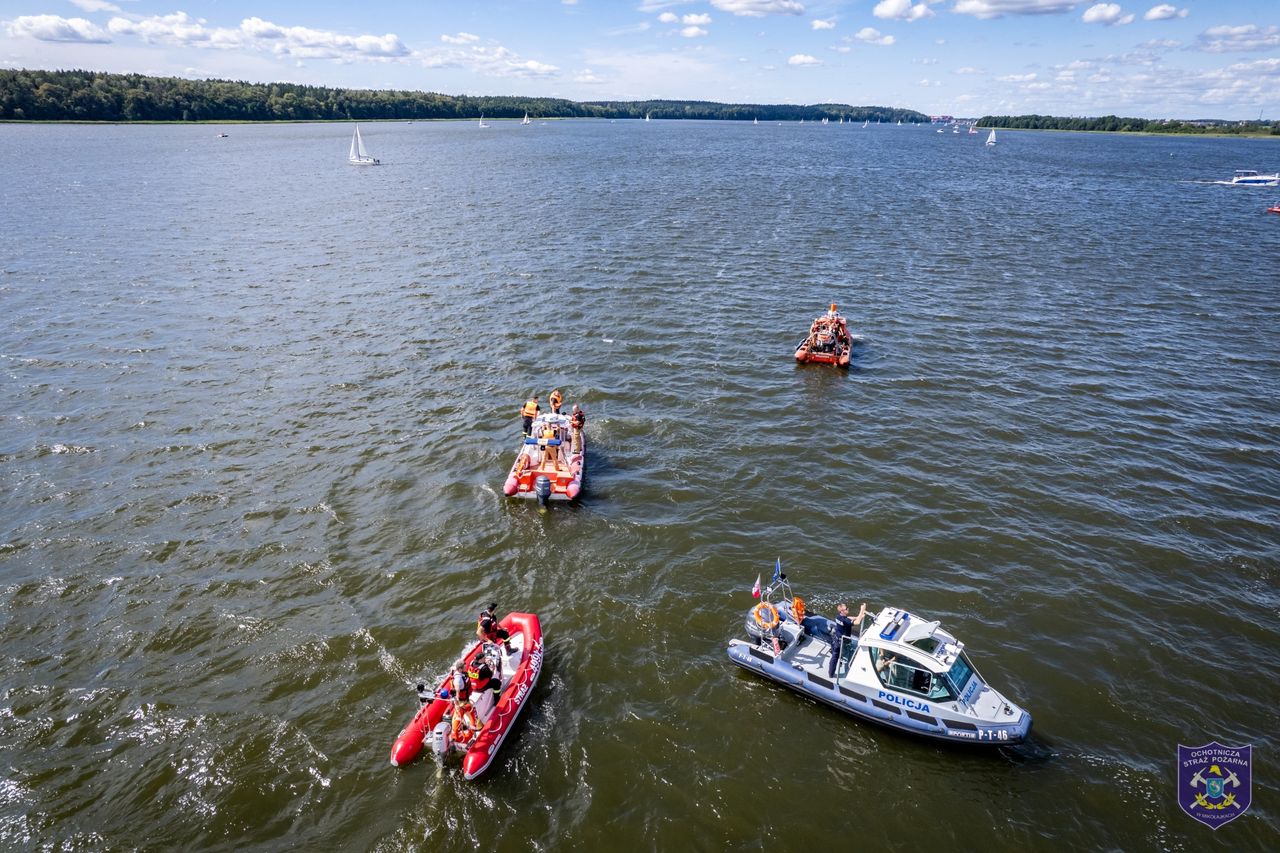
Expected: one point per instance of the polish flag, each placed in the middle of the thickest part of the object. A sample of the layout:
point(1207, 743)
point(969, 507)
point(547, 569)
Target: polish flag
point(755, 590)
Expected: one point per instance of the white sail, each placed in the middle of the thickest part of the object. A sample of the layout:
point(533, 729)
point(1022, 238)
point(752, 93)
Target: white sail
point(867, 122)
point(358, 156)
point(991, 138)
point(755, 121)
point(482, 124)
point(526, 119)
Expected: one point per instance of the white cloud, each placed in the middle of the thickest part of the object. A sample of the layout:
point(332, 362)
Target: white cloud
point(998, 8)
point(696, 20)
point(968, 69)
point(492, 61)
point(57, 28)
point(693, 32)
point(820, 24)
point(1164, 12)
point(871, 35)
point(1017, 78)
point(182, 30)
point(587, 76)
point(1161, 44)
point(569, 2)
point(460, 38)
point(903, 10)
point(1241, 39)
point(1106, 13)
point(96, 6)
point(668, 18)
point(629, 30)
point(759, 8)
point(803, 59)
point(842, 48)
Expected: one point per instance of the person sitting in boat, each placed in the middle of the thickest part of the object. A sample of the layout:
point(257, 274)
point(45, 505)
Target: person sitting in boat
point(458, 685)
point(832, 313)
point(577, 421)
point(485, 688)
point(554, 400)
point(465, 724)
point(489, 631)
point(529, 411)
point(842, 628)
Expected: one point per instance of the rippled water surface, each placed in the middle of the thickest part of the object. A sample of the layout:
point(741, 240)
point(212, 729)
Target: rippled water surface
point(257, 406)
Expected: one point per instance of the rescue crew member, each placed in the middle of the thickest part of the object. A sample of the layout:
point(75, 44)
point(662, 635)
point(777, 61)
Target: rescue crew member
point(465, 722)
point(485, 689)
point(576, 422)
point(841, 628)
point(832, 313)
point(489, 631)
point(555, 401)
point(529, 411)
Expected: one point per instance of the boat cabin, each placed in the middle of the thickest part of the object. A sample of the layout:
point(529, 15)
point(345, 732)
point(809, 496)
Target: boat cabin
point(910, 655)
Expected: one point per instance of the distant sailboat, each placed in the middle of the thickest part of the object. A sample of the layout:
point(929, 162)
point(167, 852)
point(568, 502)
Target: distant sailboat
point(358, 156)
point(648, 115)
point(482, 124)
point(973, 130)
point(865, 123)
point(755, 121)
point(899, 122)
point(526, 120)
point(991, 138)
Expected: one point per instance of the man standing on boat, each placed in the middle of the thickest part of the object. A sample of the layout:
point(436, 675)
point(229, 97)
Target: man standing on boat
point(577, 421)
point(842, 628)
point(530, 411)
point(554, 400)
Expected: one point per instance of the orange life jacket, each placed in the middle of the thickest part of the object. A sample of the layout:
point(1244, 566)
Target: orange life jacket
point(530, 409)
point(465, 724)
point(555, 399)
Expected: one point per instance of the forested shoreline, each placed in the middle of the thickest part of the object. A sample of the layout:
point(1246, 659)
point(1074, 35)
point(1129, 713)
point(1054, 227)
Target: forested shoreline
point(92, 96)
point(1117, 124)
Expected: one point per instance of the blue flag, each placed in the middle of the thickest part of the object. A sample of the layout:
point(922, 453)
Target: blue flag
point(777, 571)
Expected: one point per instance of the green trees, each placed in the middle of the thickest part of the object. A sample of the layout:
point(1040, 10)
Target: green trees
point(91, 96)
point(1117, 124)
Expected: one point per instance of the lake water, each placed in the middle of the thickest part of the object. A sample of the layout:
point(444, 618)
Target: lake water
point(257, 406)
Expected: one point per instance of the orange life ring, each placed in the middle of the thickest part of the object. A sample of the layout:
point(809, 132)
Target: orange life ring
point(773, 619)
point(797, 609)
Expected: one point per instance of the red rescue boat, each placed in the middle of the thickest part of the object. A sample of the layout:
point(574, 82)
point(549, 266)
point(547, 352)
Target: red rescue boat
point(520, 671)
point(828, 342)
point(1275, 208)
point(550, 464)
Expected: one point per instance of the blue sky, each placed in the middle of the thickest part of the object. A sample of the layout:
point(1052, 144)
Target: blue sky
point(1190, 59)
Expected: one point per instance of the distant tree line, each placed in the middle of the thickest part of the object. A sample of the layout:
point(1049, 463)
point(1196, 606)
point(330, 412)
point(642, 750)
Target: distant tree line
point(1131, 125)
point(92, 96)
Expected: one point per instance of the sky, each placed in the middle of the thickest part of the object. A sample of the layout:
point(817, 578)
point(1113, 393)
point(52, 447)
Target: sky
point(1190, 59)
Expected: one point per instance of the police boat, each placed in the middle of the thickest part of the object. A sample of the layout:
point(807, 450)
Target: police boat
point(899, 669)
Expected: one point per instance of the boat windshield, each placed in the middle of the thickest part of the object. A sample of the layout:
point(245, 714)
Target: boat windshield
point(959, 674)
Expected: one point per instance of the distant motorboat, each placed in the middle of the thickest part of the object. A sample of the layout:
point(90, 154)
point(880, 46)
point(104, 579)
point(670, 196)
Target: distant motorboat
point(1275, 208)
point(358, 156)
point(222, 136)
point(1250, 178)
point(955, 129)
point(991, 137)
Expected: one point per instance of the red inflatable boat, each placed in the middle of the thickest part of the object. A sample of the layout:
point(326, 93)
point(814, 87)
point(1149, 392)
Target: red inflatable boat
point(828, 342)
point(520, 672)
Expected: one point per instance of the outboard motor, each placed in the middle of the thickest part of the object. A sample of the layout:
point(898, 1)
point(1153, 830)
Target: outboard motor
point(440, 740)
point(542, 489)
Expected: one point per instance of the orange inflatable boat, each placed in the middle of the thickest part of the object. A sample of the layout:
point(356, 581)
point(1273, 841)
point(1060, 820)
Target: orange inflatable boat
point(828, 341)
point(549, 466)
